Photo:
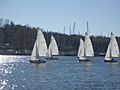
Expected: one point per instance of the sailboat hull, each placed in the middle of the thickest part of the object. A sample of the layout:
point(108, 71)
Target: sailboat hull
point(84, 59)
point(87, 60)
point(37, 61)
point(52, 58)
point(110, 60)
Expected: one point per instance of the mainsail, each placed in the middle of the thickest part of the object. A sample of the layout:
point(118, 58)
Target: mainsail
point(35, 53)
point(41, 43)
point(53, 47)
point(88, 46)
point(81, 49)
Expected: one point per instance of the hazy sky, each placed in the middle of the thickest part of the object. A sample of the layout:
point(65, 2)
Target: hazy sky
point(53, 15)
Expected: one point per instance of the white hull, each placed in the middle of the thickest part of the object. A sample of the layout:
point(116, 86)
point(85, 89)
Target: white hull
point(83, 59)
point(109, 60)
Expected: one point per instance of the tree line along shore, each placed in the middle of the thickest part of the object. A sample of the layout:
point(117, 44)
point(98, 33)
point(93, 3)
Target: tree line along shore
point(18, 39)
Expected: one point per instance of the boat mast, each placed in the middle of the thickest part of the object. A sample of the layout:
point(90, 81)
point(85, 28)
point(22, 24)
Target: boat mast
point(64, 30)
point(70, 29)
point(74, 28)
point(111, 46)
point(87, 28)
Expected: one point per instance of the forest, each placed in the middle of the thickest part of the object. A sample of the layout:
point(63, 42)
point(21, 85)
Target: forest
point(20, 40)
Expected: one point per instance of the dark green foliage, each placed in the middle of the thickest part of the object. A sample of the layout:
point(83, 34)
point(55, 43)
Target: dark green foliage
point(18, 37)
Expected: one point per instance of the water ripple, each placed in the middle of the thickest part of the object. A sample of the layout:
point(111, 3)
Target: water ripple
point(16, 73)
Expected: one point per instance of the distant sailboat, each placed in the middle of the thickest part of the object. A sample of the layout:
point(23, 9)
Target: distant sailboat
point(39, 50)
point(112, 50)
point(53, 51)
point(85, 49)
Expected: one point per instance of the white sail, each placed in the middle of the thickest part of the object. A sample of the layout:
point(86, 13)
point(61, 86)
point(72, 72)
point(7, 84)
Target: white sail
point(35, 53)
point(114, 46)
point(41, 43)
point(53, 46)
point(81, 49)
point(113, 49)
point(88, 46)
point(108, 53)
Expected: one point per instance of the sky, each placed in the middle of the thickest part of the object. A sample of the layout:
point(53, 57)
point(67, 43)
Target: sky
point(103, 16)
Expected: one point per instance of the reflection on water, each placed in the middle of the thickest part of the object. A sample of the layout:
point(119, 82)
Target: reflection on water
point(67, 73)
point(86, 65)
point(8, 64)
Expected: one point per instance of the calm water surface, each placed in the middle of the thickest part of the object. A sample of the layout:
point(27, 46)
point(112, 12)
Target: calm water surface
point(64, 74)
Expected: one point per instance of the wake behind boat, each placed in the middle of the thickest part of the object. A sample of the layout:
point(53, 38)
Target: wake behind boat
point(112, 50)
point(39, 49)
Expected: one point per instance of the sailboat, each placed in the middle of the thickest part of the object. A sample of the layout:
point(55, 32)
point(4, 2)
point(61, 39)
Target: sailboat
point(85, 50)
point(112, 50)
point(39, 51)
point(53, 51)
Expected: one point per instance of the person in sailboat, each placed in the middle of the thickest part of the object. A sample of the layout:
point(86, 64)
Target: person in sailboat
point(112, 50)
point(85, 49)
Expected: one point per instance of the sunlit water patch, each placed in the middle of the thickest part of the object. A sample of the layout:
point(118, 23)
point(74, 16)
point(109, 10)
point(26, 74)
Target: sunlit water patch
point(9, 65)
point(67, 73)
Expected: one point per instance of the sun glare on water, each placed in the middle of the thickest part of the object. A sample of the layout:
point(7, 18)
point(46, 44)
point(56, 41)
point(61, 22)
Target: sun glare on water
point(7, 66)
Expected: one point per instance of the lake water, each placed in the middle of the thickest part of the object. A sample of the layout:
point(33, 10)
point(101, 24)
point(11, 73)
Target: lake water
point(67, 73)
